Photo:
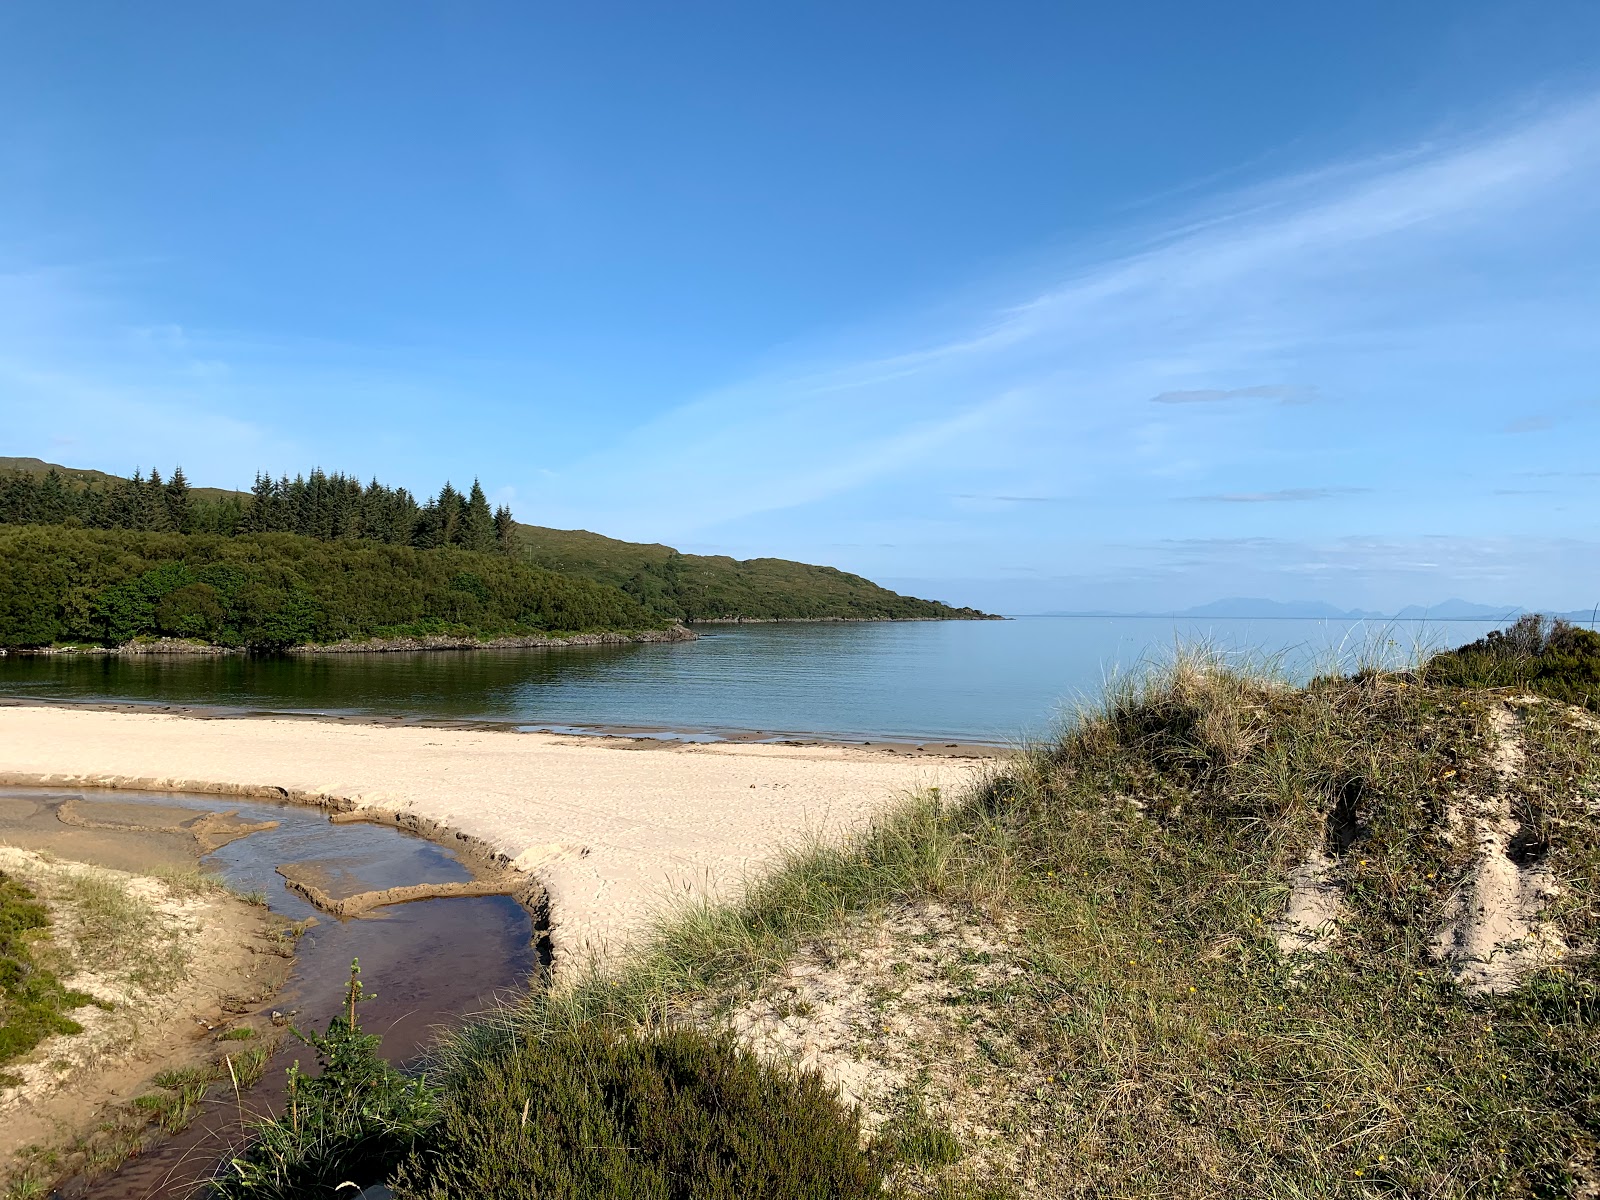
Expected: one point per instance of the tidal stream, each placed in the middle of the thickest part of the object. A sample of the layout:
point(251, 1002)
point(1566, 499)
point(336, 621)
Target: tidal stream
point(430, 963)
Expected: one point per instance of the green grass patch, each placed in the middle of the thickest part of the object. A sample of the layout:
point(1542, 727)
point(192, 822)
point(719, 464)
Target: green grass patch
point(33, 1002)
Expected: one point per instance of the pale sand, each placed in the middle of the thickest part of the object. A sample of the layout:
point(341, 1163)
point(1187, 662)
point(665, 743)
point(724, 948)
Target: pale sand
point(610, 828)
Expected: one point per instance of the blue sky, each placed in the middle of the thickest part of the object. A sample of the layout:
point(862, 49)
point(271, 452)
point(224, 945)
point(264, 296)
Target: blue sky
point(1031, 306)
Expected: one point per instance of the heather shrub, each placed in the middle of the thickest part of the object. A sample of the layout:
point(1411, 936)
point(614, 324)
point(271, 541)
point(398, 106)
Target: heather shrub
point(603, 1113)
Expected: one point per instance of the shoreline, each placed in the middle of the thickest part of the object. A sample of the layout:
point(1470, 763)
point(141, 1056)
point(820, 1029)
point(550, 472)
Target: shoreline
point(609, 829)
point(891, 745)
point(837, 620)
point(184, 647)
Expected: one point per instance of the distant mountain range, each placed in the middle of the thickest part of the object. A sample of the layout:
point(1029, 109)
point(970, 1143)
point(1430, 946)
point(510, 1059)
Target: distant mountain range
point(1254, 608)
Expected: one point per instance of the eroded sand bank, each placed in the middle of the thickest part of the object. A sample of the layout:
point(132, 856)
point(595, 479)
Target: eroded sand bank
point(609, 827)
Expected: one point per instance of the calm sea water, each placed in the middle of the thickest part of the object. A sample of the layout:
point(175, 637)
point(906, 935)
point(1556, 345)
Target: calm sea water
point(957, 681)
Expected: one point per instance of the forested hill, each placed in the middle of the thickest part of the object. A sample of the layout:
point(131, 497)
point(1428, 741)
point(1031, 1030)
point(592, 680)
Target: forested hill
point(696, 587)
point(341, 508)
point(273, 591)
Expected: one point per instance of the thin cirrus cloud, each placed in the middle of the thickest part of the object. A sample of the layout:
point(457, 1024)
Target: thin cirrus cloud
point(1342, 274)
point(1275, 393)
point(1014, 499)
point(1533, 424)
point(1286, 495)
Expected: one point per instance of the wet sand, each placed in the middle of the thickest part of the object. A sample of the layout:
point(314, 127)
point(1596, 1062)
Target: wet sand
point(610, 828)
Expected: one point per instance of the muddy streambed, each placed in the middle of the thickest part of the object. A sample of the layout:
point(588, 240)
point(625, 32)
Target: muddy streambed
point(431, 962)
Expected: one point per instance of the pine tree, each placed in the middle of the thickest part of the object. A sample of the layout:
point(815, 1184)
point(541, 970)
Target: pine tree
point(451, 506)
point(478, 532)
point(179, 514)
point(505, 530)
point(154, 507)
point(53, 500)
point(258, 517)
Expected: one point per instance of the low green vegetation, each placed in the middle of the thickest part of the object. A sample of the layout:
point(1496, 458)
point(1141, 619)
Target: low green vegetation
point(33, 1002)
point(272, 591)
point(355, 1119)
point(696, 587)
point(176, 1102)
point(601, 1111)
point(1547, 657)
point(597, 1111)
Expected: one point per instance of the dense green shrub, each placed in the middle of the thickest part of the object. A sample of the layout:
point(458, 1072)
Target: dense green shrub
point(33, 1003)
point(1549, 657)
point(601, 1113)
point(269, 591)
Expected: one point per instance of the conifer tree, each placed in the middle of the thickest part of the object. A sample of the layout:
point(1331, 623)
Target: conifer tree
point(179, 515)
point(451, 505)
point(52, 499)
point(478, 531)
point(505, 530)
point(153, 514)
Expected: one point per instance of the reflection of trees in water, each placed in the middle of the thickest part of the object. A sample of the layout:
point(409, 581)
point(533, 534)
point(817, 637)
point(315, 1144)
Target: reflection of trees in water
point(479, 683)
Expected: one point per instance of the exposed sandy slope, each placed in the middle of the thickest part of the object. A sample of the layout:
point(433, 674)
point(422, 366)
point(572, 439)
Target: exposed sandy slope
point(162, 988)
point(608, 827)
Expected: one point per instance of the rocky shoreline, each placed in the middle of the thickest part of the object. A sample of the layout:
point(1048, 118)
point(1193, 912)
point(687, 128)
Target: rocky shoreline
point(187, 647)
point(837, 620)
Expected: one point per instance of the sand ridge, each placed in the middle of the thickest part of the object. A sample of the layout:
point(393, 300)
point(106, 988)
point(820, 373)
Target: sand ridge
point(608, 832)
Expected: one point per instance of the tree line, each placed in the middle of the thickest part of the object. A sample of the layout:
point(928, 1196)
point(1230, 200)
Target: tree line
point(334, 507)
point(269, 591)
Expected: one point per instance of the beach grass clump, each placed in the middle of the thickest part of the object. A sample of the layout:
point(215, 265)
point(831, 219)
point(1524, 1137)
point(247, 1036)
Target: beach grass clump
point(117, 932)
point(33, 1001)
point(600, 1111)
point(1145, 1027)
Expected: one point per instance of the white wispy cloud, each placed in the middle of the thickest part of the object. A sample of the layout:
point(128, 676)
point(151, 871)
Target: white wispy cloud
point(1053, 390)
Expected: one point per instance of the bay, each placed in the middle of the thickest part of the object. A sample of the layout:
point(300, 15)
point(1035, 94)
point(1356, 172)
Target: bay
point(991, 682)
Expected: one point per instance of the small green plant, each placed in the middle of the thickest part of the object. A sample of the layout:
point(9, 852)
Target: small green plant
point(599, 1111)
point(917, 1139)
point(353, 1121)
point(247, 1066)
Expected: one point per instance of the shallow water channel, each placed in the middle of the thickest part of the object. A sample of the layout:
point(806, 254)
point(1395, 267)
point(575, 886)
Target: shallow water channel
point(430, 963)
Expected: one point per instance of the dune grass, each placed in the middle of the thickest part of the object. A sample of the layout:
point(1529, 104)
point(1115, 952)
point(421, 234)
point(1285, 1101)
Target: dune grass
point(1149, 1036)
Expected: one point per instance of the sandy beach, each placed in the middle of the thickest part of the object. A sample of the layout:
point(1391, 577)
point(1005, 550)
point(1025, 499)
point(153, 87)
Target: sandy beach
point(609, 827)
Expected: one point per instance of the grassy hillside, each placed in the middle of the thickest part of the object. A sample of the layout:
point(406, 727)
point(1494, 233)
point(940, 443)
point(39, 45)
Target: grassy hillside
point(1224, 937)
point(38, 469)
point(270, 591)
point(697, 587)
